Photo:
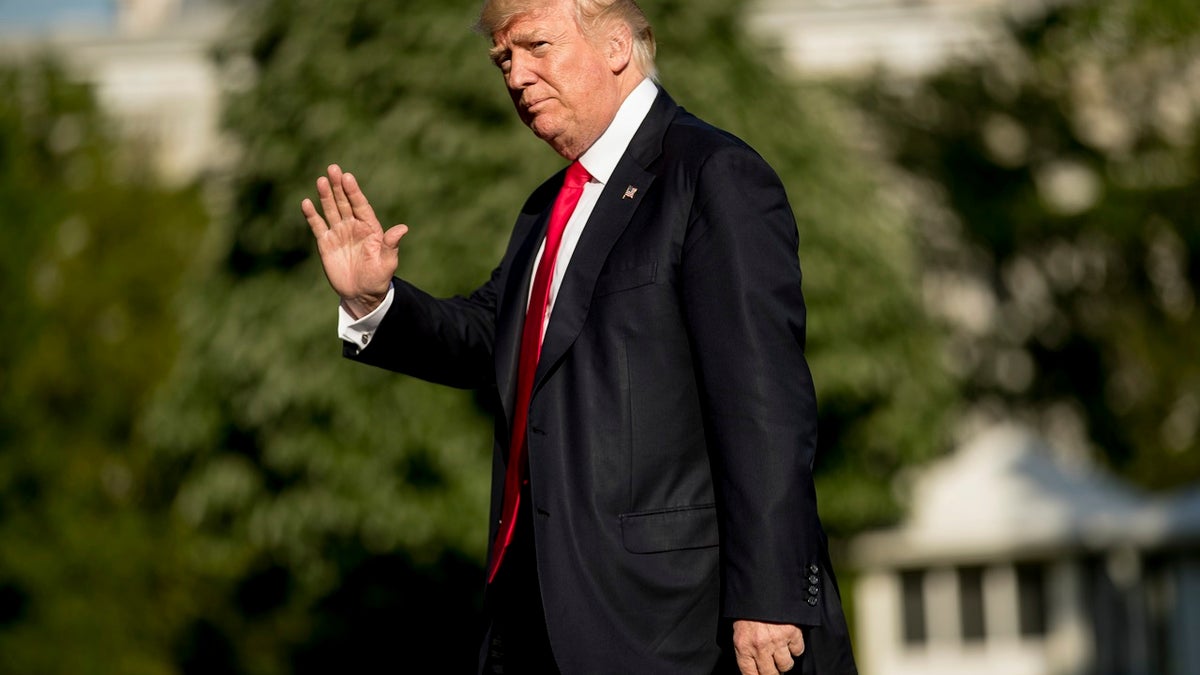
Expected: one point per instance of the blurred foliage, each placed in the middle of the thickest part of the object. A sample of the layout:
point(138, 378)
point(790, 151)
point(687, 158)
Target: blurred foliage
point(1056, 188)
point(89, 577)
point(324, 488)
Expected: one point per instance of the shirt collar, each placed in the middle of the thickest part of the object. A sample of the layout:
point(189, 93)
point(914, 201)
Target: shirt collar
point(601, 159)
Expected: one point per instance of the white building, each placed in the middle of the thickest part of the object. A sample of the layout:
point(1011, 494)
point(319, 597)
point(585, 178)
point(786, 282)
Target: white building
point(152, 71)
point(1014, 563)
point(850, 37)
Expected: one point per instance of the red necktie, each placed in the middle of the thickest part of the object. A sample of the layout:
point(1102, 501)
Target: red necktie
point(531, 348)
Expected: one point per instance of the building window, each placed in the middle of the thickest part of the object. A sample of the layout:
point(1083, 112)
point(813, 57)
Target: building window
point(912, 602)
point(1031, 599)
point(970, 603)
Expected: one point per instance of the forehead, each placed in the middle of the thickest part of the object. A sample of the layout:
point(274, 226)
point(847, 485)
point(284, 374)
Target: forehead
point(538, 17)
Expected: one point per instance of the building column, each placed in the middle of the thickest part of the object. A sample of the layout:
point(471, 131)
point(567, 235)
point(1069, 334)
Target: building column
point(878, 616)
point(1069, 645)
point(941, 606)
point(1001, 611)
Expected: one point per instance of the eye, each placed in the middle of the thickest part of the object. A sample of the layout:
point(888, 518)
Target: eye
point(502, 60)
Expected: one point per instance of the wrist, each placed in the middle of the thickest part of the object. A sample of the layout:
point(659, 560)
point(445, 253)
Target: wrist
point(362, 305)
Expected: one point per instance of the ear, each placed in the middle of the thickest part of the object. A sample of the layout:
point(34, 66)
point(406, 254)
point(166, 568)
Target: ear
point(618, 47)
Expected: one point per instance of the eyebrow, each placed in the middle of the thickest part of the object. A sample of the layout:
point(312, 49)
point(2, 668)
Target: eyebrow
point(497, 52)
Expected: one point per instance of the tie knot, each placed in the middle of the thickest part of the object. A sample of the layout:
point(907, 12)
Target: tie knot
point(577, 176)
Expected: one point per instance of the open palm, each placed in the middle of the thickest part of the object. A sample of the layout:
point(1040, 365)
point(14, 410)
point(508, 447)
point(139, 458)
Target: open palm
point(359, 257)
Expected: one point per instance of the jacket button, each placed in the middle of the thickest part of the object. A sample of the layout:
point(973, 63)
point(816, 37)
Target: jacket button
point(813, 579)
point(814, 569)
point(812, 601)
point(812, 590)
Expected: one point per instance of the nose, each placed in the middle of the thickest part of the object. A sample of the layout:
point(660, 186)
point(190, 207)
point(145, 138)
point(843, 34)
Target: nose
point(521, 73)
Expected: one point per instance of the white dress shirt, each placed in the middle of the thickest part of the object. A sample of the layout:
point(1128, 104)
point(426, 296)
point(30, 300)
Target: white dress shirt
point(600, 160)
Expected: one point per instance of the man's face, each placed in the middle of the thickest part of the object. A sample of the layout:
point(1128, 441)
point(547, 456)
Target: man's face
point(561, 83)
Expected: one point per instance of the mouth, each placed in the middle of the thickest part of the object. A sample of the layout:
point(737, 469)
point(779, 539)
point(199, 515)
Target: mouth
point(530, 106)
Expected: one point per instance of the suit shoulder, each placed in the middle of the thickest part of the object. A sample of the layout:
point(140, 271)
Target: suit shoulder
point(694, 143)
point(704, 152)
point(694, 137)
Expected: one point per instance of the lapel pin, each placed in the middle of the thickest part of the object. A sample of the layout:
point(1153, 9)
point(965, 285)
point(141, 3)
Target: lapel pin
point(630, 192)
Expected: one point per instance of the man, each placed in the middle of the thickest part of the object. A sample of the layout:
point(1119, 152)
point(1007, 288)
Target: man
point(653, 508)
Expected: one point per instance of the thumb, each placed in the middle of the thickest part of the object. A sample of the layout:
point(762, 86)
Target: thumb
point(394, 234)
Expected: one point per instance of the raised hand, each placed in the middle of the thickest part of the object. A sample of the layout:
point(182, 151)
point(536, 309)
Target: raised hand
point(358, 255)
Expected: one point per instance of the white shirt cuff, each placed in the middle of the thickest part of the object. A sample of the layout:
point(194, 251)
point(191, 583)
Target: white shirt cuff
point(360, 331)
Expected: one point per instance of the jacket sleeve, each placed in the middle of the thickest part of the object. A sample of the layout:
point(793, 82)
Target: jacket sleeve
point(745, 316)
point(445, 341)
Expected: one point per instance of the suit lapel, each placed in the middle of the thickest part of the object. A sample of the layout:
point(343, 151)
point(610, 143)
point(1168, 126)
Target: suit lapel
point(625, 189)
point(608, 220)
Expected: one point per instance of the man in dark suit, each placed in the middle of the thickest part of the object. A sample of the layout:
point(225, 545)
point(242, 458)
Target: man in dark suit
point(653, 508)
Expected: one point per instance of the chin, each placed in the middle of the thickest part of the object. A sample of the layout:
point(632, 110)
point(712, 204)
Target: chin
point(552, 136)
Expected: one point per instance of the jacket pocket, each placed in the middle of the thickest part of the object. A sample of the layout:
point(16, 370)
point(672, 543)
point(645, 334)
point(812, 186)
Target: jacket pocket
point(670, 529)
point(616, 281)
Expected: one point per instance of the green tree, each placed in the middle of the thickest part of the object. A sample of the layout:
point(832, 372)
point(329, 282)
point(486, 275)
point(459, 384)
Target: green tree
point(319, 484)
point(1057, 184)
point(89, 579)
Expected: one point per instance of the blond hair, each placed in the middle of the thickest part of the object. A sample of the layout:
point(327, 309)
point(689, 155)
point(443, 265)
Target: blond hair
point(590, 15)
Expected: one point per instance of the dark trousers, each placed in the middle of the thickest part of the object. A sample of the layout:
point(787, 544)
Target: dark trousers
point(518, 643)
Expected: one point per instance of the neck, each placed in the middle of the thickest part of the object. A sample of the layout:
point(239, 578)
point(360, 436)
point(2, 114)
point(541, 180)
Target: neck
point(628, 80)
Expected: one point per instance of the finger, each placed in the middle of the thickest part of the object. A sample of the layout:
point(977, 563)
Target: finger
point(360, 207)
point(765, 661)
point(783, 659)
point(339, 193)
point(328, 206)
point(796, 643)
point(746, 665)
point(756, 659)
point(315, 222)
point(394, 234)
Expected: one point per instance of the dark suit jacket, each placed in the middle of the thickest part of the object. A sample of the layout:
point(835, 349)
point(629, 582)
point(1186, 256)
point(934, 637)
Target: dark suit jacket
point(672, 427)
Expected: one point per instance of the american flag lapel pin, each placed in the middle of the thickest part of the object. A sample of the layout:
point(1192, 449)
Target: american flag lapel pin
point(630, 192)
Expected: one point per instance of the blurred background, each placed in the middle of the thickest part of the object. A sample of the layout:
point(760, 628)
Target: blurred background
point(998, 204)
